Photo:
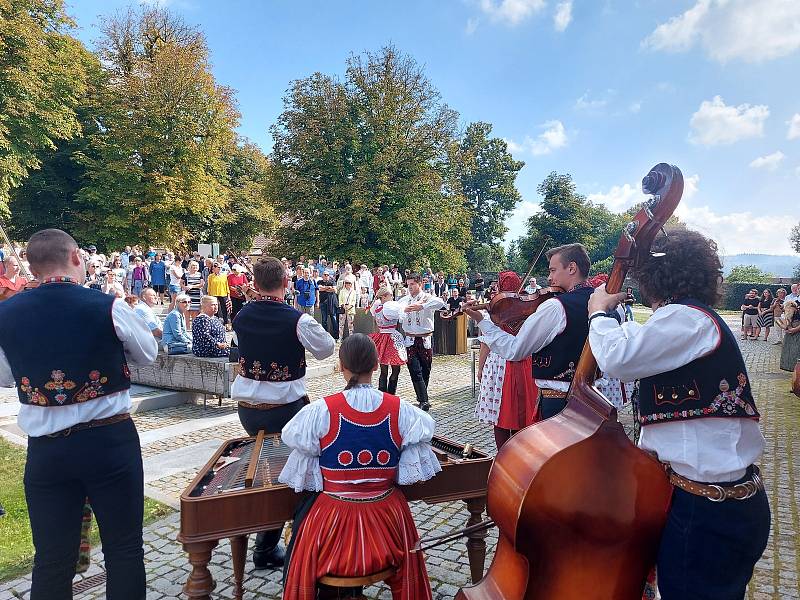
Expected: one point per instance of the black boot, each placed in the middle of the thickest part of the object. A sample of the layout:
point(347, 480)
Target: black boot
point(422, 395)
point(268, 553)
point(392, 388)
point(382, 381)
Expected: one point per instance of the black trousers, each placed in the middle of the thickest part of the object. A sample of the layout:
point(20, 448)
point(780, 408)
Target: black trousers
point(236, 306)
point(420, 361)
point(222, 309)
point(272, 421)
point(708, 549)
point(329, 315)
point(105, 464)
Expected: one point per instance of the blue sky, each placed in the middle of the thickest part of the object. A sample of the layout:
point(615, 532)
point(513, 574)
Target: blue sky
point(601, 89)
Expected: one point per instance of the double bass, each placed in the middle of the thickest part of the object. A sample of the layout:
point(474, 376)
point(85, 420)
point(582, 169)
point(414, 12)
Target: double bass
point(579, 508)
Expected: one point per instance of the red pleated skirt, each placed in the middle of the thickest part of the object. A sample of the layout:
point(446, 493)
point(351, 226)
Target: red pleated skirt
point(391, 350)
point(519, 406)
point(354, 539)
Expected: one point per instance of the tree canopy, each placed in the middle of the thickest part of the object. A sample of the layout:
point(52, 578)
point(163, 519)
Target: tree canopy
point(748, 274)
point(361, 166)
point(42, 77)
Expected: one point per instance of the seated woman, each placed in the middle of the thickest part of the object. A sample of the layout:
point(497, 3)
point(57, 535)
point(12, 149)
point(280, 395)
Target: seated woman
point(355, 447)
point(174, 334)
point(208, 332)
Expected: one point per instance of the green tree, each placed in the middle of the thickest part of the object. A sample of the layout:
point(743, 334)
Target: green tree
point(794, 238)
point(156, 167)
point(360, 167)
point(486, 173)
point(42, 76)
point(748, 274)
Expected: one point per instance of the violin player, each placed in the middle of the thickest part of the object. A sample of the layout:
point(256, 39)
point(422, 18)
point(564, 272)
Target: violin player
point(555, 334)
point(697, 414)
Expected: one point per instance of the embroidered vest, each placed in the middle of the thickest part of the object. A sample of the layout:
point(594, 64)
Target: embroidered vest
point(557, 360)
point(360, 445)
point(61, 344)
point(269, 350)
point(715, 385)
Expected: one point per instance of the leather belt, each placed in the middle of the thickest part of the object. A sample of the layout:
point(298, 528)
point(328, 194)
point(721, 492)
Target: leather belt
point(718, 493)
point(420, 335)
point(548, 393)
point(91, 424)
point(268, 406)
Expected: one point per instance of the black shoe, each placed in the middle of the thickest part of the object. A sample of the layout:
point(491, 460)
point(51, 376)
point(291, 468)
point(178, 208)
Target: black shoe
point(426, 406)
point(269, 559)
point(421, 390)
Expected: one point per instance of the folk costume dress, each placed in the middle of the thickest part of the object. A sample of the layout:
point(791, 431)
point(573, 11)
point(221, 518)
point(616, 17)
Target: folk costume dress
point(388, 340)
point(356, 447)
point(508, 396)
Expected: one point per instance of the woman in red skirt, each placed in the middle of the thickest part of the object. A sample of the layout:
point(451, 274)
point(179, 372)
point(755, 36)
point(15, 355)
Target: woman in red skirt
point(388, 341)
point(508, 394)
point(356, 447)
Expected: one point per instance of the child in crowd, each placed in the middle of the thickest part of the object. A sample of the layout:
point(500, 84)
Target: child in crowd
point(356, 447)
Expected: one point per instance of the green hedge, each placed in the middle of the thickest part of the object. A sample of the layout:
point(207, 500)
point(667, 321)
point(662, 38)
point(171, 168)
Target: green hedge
point(734, 293)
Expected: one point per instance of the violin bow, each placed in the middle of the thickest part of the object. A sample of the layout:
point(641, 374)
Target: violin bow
point(533, 264)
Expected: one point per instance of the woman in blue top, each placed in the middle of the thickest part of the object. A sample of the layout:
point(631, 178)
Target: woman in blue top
point(175, 336)
point(158, 277)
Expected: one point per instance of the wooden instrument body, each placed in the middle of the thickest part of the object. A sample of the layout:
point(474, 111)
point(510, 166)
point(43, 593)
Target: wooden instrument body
point(509, 309)
point(580, 509)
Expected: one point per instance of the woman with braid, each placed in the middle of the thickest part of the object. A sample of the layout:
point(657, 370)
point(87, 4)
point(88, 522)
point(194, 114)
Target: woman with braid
point(356, 447)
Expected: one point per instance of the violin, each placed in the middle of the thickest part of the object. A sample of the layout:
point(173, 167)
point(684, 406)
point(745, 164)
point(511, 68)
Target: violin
point(509, 310)
point(579, 508)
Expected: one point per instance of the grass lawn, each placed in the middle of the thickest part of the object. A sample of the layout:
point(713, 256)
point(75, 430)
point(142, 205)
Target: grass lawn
point(16, 547)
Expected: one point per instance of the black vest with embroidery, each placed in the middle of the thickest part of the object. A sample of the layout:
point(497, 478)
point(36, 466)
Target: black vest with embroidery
point(714, 385)
point(61, 344)
point(269, 350)
point(557, 360)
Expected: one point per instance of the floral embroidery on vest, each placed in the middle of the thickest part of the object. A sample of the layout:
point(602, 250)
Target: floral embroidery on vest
point(92, 388)
point(59, 385)
point(34, 396)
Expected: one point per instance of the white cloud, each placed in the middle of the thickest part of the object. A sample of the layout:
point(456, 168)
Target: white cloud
point(621, 197)
point(585, 102)
point(794, 127)
point(750, 30)
point(517, 222)
point(472, 25)
point(563, 15)
point(511, 12)
point(769, 162)
point(553, 137)
point(716, 123)
point(635, 107)
point(742, 232)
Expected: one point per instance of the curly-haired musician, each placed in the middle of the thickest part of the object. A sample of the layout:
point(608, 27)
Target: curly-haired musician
point(697, 414)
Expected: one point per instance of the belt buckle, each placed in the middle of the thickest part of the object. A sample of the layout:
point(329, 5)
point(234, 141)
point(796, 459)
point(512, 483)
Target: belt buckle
point(62, 433)
point(722, 494)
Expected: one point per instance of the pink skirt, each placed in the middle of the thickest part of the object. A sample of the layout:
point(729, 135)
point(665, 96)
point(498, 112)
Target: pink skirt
point(391, 350)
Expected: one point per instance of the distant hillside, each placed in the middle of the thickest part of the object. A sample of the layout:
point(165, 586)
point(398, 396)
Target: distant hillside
point(778, 265)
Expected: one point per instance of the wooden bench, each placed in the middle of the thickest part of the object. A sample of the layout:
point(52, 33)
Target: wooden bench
point(188, 373)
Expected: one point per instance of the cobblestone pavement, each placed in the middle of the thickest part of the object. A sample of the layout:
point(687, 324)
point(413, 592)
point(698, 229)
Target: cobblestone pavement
point(776, 575)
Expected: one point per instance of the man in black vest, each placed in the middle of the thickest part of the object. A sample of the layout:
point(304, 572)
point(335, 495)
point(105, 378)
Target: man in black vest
point(555, 333)
point(697, 414)
point(270, 388)
point(67, 350)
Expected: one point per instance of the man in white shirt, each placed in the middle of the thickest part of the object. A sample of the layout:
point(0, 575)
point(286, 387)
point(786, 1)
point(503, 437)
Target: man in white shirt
point(795, 295)
point(532, 286)
point(417, 320)
point(697, 413)
point(67, 349)
point(270, 387)
point(145, 310)
point(555, 334)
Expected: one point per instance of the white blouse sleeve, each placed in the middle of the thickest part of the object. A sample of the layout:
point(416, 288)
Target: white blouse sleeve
point(302, 434)
point(392, 310)
point(417, 460)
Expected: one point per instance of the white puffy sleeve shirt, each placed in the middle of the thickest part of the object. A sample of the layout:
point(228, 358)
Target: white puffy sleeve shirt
point(712, 449)
point(304, 432)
